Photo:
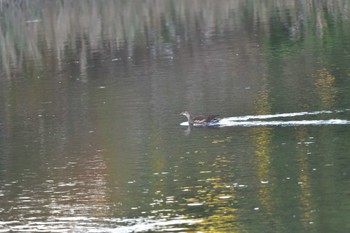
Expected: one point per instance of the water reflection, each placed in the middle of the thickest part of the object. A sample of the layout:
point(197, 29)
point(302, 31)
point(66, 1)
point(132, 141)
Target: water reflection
point(89, 130)
point(308, 208)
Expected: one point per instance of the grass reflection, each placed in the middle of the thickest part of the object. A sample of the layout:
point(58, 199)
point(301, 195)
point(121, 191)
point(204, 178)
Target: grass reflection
point(64, 30)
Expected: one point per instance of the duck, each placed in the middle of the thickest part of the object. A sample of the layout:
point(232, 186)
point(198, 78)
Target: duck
point(201, 120)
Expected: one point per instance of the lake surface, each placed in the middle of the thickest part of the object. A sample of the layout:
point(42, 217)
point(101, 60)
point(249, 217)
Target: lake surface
point(91, 139)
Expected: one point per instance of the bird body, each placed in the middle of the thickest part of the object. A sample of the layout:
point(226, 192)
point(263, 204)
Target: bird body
point(201, 120)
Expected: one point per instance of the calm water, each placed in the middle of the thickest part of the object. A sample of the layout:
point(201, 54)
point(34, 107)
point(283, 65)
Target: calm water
point(90, 134)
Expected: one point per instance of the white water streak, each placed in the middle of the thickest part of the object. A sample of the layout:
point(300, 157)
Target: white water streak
point(249, 120)
point(280, 115)
point(225, 123)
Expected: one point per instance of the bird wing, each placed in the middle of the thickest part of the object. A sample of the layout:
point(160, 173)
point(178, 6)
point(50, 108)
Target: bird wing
point(203, 119)
point(199, 119)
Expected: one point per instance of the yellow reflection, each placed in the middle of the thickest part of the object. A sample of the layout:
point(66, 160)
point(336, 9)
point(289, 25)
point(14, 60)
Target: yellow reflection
point(306, 203)
point(325, 88)
point(262, 138)
point(217, 196)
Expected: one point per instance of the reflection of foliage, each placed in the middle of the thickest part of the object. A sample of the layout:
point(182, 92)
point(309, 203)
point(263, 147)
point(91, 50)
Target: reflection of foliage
point(325, 87)
point(32, 28)
point(262, 104)
point(215, 194)
point(262, 138)
point(304, 179)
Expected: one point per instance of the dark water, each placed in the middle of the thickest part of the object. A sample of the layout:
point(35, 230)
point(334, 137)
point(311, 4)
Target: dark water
point(90, 135)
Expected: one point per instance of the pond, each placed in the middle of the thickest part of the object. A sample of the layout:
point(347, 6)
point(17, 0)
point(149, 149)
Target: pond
point(91, 139)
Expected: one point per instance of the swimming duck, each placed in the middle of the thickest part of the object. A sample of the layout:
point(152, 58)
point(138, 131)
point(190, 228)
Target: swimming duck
point(208, 120)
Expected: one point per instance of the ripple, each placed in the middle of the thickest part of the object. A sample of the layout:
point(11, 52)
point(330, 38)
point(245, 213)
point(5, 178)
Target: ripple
point(94, 224)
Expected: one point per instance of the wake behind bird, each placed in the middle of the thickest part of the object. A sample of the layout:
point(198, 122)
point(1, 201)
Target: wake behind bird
point(263, 120)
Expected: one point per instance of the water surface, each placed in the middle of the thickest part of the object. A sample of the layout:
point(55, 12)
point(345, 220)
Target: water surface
point(90, 134)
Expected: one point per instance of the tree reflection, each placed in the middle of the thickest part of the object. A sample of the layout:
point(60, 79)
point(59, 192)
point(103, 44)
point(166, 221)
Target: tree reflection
point(32, 28)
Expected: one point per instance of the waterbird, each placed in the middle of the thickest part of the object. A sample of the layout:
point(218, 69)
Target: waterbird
point(201, 120)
